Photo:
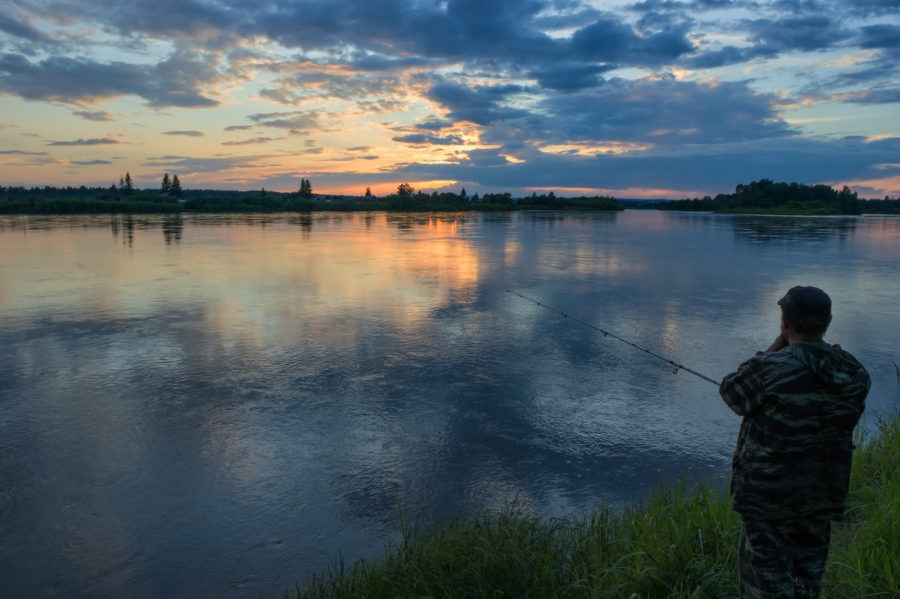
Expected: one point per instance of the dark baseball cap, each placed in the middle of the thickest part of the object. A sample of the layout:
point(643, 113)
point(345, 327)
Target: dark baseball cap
point(807, 307)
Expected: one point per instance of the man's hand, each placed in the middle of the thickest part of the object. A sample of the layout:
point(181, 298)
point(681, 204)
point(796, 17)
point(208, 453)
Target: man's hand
point(779, 344)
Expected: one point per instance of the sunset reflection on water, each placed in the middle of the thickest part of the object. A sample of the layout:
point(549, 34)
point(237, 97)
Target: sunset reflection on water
point(195, 403)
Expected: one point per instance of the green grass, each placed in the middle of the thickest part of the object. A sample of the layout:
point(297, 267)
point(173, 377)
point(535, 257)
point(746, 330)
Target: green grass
point(680, 542)
point(865, 556)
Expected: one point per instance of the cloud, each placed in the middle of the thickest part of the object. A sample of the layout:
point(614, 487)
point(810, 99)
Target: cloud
point(814, 32)
point(872, 96)
point(21, 153)
point(185, 164)
point(657, 111)
point(665, 111)
point(555, 84)
point(90, 162)
point(572, 77)
point(247, 142)
point(880, 36)
point(80, 81)
point(610, 39)
point(103, 141)
point(21, 29)
point(710, 169)
point(477, 104)
point(99, 115)
point(426, 139)
point(297, 121)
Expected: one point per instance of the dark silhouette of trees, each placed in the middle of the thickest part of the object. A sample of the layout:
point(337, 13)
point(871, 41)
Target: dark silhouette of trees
point(405, 189)
point(166, 186)
point(767, 196)
point(305, 189)
point(175, 187)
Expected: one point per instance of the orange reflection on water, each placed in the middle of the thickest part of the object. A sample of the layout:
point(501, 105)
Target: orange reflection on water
point(259, 281)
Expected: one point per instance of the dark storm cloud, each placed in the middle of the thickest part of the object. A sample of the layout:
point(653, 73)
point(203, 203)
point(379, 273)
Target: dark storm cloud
point(169, 83)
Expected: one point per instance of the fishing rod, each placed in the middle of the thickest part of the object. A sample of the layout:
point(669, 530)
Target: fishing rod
point(616, 337)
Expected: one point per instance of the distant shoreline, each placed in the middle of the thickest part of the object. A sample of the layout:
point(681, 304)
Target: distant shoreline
point(763, 197)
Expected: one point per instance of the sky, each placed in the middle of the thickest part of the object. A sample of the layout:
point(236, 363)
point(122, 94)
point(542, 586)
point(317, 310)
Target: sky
point(650, 99)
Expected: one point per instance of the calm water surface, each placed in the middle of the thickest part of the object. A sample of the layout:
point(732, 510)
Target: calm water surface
point(221, 405)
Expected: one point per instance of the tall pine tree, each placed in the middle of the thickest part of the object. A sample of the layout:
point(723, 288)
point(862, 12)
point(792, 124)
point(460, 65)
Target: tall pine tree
point(166, 186)
point(175, 189)
point(305, 188)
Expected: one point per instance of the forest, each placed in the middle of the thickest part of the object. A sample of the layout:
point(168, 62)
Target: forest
point(758, 197)
point(767, 197)
point(171, 197)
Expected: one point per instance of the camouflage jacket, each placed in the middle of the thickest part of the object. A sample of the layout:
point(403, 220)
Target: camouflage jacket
point(799, 408)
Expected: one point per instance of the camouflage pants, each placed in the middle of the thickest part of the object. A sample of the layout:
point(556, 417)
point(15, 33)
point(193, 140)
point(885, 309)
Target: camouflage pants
point(783, 559)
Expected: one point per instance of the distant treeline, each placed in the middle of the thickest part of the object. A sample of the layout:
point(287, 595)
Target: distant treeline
point(767, 197)
point(73, 200)
point(83, 200)
point(761, 197)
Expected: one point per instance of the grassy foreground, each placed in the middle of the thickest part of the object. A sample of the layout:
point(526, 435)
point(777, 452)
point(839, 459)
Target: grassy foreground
point(680, 542)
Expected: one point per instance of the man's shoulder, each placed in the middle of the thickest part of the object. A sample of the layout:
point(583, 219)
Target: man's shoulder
point(777, 361)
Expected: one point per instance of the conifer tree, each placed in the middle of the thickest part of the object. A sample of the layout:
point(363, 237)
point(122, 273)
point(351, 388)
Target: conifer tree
point(166, 184)
point(175, 188)
point(305, 188)
point(368, 193)
point(129, 187)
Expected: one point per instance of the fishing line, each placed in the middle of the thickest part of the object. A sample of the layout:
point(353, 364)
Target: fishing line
point(617, 338)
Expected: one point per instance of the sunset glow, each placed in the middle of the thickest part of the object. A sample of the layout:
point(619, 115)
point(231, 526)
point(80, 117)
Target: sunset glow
point(652, 99)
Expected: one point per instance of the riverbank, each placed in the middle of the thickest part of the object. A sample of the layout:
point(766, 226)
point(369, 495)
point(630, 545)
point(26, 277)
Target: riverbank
point(77, 201)
point(680, 542)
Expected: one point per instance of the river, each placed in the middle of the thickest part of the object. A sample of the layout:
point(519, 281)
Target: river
point(221, 405)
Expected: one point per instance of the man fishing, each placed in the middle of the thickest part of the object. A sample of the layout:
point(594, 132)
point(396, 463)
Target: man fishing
point(800, 400)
